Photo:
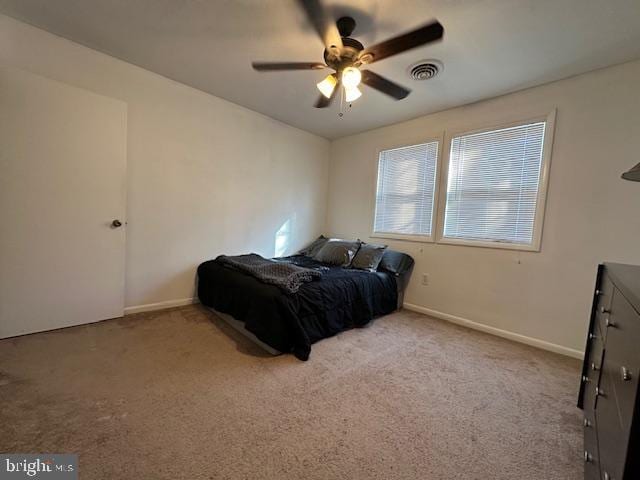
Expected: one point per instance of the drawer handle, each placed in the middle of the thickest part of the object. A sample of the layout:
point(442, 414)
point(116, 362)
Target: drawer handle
point(607, 476)
point(610, 323)
point(586, 423)
point(585, 379)
point(588, 457)
point(600, 392)
point(626, 374)
point(604, 310)
point(598, 292)
point(592, 336)
point(595, 367)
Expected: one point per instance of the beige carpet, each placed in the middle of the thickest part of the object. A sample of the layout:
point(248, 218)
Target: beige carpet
point(179, 395)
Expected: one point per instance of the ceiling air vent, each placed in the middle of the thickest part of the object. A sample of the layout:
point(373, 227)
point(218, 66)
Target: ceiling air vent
point(425, 69)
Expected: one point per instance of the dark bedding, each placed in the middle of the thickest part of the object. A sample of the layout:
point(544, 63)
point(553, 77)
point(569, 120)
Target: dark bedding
point(340, 299)
point(284, 274)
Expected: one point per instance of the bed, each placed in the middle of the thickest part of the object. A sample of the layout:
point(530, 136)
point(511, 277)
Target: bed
point(342, 298)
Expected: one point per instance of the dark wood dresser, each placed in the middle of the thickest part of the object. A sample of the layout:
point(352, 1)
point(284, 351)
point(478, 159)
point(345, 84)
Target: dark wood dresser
point(610, 374)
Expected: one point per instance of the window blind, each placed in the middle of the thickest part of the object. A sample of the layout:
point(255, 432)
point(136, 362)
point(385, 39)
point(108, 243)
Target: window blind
point(406, 185)
point(493, 183)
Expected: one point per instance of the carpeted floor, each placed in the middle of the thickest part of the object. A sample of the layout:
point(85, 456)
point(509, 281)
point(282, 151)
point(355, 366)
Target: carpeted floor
point(180, 395)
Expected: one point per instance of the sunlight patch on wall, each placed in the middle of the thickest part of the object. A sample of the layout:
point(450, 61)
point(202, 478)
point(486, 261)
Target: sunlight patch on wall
point(283, 238)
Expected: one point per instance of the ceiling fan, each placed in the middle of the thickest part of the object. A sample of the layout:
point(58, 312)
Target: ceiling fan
point(346, 56)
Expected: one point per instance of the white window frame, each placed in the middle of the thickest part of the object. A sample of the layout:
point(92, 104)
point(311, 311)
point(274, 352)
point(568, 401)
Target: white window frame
point(436, 191)
point(543, 185)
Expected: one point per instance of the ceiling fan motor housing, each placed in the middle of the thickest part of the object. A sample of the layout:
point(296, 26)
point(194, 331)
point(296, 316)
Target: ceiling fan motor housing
point(339, 60)
point(346, 26)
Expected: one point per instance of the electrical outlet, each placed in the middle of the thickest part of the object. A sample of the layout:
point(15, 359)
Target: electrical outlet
point(425, 279)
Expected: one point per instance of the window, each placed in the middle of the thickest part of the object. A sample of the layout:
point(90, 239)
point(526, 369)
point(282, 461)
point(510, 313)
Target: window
point(405, 192)
point(493, 189)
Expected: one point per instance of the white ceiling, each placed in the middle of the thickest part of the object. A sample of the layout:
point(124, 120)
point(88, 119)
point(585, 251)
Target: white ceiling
point(490, 47)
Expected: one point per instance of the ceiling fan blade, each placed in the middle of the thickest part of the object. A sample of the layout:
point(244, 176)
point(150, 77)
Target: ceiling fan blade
point(416, 38)
point(324, 102)
point(384, 85)
point(322, 23)
point(275, 66)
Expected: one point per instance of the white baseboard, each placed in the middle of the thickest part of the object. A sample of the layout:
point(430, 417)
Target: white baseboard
point(534, 342)
point(465, 322)
point(150, 307)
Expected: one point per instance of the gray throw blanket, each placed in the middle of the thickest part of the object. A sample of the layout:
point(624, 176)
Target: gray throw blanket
point(287, 276)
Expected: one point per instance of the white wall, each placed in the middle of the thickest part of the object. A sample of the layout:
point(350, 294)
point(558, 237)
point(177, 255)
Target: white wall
point(591, 216)
point(205, 176)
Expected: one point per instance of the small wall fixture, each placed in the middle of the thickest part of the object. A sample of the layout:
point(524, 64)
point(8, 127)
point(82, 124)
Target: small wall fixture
point(633, 174)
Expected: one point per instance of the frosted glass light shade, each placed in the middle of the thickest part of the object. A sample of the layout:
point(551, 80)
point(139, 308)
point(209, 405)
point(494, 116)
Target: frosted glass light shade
point(327, 86)
point(351, 77)
point(352, 93)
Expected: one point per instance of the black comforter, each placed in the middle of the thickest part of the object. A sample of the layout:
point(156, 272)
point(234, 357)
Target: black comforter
point(340, 299)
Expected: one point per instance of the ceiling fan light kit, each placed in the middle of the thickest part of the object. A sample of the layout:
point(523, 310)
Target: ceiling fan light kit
point(346, 56)
point(327, 85)
point(351, 77)
point(351, 94)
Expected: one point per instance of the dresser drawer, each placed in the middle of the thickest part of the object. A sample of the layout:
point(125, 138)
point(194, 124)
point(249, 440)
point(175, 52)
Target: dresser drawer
point(621, 365)
point(593, 367)
point(591, 466)
point(603, 304)
point(591, 454)
point(612, 439)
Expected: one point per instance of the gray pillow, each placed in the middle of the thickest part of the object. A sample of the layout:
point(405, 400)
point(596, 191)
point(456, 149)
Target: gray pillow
point(315, 246)
point(368, 257)
point(337, 252)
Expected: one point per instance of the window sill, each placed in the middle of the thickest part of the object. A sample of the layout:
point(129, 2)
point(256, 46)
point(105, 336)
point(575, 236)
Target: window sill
point(486, 244)
point(459, 242)
point(401, 237)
